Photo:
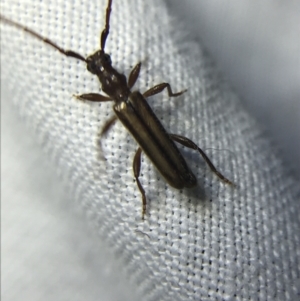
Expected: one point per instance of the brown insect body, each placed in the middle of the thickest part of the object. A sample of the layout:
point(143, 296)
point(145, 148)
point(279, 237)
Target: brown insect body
point(132, 109)
point(137, 116)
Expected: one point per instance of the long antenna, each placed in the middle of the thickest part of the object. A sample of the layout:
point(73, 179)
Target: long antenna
point(70, 53)
point(105, 31)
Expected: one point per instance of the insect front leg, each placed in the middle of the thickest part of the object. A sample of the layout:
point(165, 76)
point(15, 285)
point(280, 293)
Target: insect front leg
point(95, 97)
point(159, 88)
point(134, 74)
point(136, 171)
point(190, 144)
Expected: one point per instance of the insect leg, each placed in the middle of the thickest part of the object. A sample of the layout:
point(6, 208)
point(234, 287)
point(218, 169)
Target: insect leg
point(109, 123)
point(190, 144)
point(93, 97)
point(70, 53)
point(107, 126)
point(134, 74)
point(158, 88)
point(136, 170)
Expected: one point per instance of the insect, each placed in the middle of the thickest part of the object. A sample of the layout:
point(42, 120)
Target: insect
point(132, 109)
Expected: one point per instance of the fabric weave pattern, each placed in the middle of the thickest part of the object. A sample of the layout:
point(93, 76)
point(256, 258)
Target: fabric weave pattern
point(210, 243)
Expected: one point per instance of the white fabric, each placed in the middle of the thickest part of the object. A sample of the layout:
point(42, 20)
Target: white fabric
point(257, 45)
point(210, 243)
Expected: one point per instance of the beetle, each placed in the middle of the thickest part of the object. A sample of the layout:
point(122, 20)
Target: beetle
point(132, 109)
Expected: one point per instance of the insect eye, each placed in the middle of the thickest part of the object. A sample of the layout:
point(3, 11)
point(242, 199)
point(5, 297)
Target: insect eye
point(107, 59)
point(91, 66)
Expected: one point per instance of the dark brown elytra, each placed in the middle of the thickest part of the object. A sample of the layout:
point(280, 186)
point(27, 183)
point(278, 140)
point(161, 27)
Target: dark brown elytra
point(132, 109)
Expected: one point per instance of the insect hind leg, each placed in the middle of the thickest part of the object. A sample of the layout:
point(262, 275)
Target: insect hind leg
point(190, 144)
point(136, 171)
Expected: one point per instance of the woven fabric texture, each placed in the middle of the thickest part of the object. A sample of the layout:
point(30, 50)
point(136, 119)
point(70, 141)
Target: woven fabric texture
point(213, 242)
